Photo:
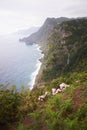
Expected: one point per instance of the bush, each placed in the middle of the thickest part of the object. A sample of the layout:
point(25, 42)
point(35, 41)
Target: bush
point(10, 102)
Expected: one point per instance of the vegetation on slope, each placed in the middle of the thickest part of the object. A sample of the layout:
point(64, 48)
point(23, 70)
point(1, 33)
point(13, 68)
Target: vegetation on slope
point(66, 49)
point(65, 61)
point(64, 111)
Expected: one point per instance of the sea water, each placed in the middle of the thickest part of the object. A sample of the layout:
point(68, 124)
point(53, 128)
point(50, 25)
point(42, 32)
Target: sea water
point(19, 63)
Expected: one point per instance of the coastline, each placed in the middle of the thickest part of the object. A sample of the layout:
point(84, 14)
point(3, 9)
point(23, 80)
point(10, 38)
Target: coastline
point(36, 72)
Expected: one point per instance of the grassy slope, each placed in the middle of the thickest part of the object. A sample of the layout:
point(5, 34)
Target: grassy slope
point(67, 39)
point(65, 111)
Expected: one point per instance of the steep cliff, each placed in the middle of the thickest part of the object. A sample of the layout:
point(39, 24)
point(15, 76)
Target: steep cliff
point(42, 35)
point(66, 50)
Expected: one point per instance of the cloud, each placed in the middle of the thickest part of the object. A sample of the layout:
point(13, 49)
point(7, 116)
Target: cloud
point(26, 13)
point(77, 9)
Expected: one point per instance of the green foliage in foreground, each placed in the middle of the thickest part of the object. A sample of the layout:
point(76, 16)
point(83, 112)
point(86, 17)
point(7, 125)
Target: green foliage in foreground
point(10, 103)
point(64, 111)
point(14, 106)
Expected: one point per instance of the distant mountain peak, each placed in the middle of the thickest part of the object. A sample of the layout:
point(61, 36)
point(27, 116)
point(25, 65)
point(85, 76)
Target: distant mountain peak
point(41, 36)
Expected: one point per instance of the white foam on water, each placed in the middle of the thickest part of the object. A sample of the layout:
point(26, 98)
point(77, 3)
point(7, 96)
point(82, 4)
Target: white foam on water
point(35, 73)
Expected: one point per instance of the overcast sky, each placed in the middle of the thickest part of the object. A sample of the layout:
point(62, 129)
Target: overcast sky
point(19, 14)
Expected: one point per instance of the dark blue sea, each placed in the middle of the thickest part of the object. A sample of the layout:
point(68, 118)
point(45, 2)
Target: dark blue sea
point(19, 63)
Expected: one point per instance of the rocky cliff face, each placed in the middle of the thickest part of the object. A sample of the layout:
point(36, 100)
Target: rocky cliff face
point(42, 35)
point(66, 50)
point(64, 42)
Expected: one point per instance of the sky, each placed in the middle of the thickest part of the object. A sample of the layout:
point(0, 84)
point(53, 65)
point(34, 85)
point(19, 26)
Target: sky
point(23, 14)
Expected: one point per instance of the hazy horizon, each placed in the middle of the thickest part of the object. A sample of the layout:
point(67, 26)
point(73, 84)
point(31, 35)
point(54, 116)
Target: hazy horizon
point(23, 14)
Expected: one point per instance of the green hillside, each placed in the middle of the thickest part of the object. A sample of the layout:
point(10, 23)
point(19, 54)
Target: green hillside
point(67, 49)
point(65, 61)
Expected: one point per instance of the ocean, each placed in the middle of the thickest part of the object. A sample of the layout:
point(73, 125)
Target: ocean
point(19, 63)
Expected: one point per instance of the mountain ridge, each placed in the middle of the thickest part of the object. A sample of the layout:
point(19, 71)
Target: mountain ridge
point(41, 36)
point(66, 50)
point(28, 31)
